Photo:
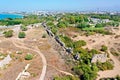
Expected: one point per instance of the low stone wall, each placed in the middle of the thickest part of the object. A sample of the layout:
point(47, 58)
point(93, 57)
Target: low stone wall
point(49, 32)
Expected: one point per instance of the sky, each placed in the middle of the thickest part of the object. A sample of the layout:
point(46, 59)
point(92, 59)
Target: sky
point(59, 5)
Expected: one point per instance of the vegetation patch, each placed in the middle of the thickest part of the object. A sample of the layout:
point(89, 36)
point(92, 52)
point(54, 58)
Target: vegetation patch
point(65, 78)
point(104, 48)
point(8, 33)
point(105, 66)
point(29, 57)
point(21, 35)
point(23, 28)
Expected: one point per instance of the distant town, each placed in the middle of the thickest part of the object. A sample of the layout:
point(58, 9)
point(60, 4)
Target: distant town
point(63, 12)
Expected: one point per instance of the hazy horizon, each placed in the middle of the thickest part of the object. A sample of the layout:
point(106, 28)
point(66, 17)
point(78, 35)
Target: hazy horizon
point(59, 5)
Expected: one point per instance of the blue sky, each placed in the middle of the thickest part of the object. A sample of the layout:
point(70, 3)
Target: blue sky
point(81, 5)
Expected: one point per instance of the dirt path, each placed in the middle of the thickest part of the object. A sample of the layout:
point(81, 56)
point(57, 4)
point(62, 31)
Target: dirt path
point(111, 73)
point(61, 71)
point(44, 69)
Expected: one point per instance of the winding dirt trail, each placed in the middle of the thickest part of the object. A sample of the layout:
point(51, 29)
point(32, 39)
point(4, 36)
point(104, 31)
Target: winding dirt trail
point(61, 71)
point(44, 69)
point(44, 61)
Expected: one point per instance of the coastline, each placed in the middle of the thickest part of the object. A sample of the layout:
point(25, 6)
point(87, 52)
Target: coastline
point(8, 15)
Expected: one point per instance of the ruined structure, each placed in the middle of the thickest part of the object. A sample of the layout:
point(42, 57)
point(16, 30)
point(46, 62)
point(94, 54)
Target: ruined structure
point(99, 57)
point(5, 61)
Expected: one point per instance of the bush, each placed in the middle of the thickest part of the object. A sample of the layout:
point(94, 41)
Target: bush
point(29, 57)
point(23, 28)
point(83, 25)
point(50, 23)
point(99, 25)
point(62, 24)
point(65, 78)
point(104, 48)
point(44, 36)
point(79, 43)
point(86, 72)
point(21, 35)
point(118, 77)
point(68, 41)
point(94, 51)
point(8, 33)
point(105, 66)
point(54, 30)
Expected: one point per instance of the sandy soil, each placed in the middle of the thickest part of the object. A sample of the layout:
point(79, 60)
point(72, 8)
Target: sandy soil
point(55, 66)
point(96, 41)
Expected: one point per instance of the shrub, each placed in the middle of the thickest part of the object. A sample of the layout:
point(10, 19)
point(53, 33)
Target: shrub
point(105, 66)
point(86, 72)
point(29, 57)
point(99, 25)
point(104, 48)
point(94, 51)
point(83, 25)
point(44, 36)
point(21, 35)
point(23, 28)
point(54, 30)
point(118, 77)
point(8, 33)
point(65, 78)
point(79, 43)
point(68, 41)
point(50, 23)
point(62, 24)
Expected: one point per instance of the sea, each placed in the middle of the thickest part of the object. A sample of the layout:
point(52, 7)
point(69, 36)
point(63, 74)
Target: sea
point(13, 16)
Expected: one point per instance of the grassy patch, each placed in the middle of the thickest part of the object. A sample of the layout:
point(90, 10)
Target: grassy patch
point(92, 29)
